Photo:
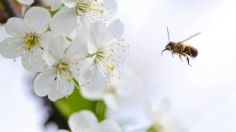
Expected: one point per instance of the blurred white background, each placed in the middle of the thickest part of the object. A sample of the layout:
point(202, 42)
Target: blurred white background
point(203, 97)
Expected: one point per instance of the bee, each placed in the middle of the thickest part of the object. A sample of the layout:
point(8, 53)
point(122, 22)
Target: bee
point(181, 49)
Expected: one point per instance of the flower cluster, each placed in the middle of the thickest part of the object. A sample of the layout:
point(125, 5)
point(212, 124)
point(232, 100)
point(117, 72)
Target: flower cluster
point(93, 57)
point(75, 44)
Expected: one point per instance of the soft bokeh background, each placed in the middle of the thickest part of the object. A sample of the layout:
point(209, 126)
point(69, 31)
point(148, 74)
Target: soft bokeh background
point(203, 97)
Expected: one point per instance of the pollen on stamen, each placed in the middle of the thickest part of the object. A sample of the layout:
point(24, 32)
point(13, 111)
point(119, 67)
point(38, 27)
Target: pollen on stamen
point(31, 40)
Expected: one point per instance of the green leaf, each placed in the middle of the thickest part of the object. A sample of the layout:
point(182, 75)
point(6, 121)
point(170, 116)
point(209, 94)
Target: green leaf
point(154, 128)
point(100, 110)
point(76, 102)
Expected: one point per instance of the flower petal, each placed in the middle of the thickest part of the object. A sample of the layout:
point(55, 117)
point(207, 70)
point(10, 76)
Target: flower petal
point(84, 121)
point(63, 86)
point(26, 2)
point(116, 28)
point(98, 34)
point(95, 80)
point(54, 85)
point(16, 27)
point(33, 61)
point(111, 101)
point(65, 21)
point(109, 126)
point(111, 8)
point(55, 49)
point(78, 50)
point(37, 19)
point(129, 83)
point(43, 82)
point(12, 48)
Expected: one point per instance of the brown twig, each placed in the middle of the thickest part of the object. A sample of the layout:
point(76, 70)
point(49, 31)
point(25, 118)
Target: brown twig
point(37, 3)
point(9, 8)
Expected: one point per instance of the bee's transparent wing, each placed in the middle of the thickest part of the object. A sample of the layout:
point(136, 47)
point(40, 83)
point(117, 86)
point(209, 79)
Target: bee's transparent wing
point(194, 35)
point(168, 33)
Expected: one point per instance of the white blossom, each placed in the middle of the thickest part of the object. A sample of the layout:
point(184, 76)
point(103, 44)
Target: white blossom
point(161, 120)
point(57, 82)
point(28, 37)
point(81, 12)
point(86, 121)
point(117, 89)
point(103, 54)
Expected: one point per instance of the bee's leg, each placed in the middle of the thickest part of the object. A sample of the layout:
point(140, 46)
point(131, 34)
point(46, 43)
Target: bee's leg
point(172, 54)
point(180, 58)
point(188, 61)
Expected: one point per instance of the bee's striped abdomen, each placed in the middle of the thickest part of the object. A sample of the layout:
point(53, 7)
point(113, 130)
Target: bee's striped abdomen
point(191, 51)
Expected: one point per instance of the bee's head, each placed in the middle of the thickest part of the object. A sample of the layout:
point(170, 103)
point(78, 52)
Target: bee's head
point(169, 46)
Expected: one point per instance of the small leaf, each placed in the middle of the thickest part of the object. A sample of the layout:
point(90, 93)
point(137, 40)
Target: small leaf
point(76, 102)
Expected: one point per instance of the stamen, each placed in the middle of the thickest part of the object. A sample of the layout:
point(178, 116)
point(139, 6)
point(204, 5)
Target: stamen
point(83, 7)
point(62, 66)
point(31, 40)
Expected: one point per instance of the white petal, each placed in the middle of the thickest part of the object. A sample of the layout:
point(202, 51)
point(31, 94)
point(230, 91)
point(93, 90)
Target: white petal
point(111, 101)
point(44, 82)
point(45, 38)
point(111, 8)
point(99, 34)
point(54, 85)
point(63, 86)
point(12, 48)
point(55, 95)
point(16, 27)
point(94, 95)
point(32, 60)
point(69, 3)
point(26, 2)
point(94, 85)
point(81, 71)
point(55, 49)
point(109, 126)
point(37, 19)
point(65, 21)
point(111, 4)
point(129, 83)
point(84, 121)
point(91, 48)
point(116, 28)
point(96, 80)
point(78, 50)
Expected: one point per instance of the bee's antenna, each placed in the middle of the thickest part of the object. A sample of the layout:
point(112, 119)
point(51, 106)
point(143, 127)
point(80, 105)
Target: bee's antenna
point(168, 33)
point(194, 35)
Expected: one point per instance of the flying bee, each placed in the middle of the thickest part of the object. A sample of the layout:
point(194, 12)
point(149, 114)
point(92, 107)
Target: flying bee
point(181, 49)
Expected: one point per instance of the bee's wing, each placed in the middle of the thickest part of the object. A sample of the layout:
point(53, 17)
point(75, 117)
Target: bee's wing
point(194, 35)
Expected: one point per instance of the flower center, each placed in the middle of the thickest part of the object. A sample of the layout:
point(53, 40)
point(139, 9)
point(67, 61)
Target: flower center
point(31, 40)
point(62, 66)
point(101, 56)
point(155, 128)
point(85, 6)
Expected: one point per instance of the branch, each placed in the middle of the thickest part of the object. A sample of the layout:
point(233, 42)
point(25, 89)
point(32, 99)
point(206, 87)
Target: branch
point(9, 8)
point(37, 3)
